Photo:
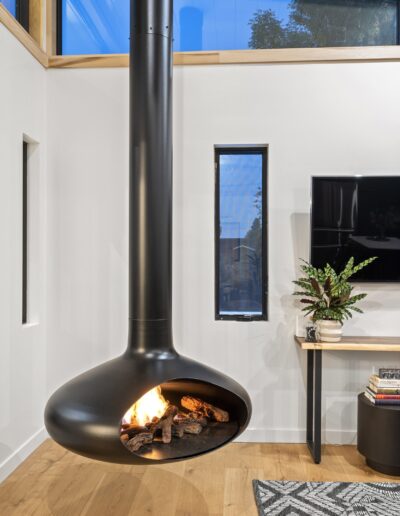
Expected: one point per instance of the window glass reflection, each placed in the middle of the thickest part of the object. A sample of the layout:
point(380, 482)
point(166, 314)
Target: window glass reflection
point(10, 5)
point(92, 27)
point(240, 234)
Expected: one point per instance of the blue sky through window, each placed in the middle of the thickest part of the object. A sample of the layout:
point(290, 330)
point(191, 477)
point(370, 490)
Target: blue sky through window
point(9, 5)
point(102, 27)
point(240, 181)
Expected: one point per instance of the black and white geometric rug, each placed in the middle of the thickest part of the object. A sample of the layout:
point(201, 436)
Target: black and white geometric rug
point(326, 499)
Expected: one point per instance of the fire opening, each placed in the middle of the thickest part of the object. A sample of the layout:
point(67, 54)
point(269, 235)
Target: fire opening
point(167, 423)
point(150, 406)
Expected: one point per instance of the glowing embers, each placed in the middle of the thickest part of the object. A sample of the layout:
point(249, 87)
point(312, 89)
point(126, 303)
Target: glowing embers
point(153, 421)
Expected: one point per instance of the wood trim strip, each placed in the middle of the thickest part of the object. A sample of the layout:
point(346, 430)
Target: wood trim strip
point(36, 21)
point(51, 27)
point(289, 55)
point(23, 37)
point(270, 56)
point(389, 344)
point(90, 61)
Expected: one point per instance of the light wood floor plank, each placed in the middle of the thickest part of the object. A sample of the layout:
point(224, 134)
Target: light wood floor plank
point(54, 482)
point(158, 490)
point(202, 491)
point(238, 494)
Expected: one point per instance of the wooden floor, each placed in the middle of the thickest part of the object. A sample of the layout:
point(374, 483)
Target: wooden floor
point(55, 482)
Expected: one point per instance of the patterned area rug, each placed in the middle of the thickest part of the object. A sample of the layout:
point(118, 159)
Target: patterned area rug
point(326, 499)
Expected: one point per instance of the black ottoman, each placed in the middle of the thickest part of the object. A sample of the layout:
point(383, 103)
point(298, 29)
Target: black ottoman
point(378, 432)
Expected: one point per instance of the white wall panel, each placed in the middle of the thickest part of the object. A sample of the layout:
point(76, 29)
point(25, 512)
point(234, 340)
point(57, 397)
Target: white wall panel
point(23, 386)
point(317, 119)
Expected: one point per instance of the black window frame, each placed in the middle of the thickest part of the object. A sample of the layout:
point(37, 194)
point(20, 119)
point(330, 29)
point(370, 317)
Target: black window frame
point(59, 20)
point(398, 22)
point(22, 13)
point(25, 146)
point(220, 150)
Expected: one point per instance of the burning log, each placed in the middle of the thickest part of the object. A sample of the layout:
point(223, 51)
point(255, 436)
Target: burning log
point(204, 408)
point(196, 417)
point(138, 441)
point(190, 417)
point(173, 423)
point(178, 430)
point(152, 427)
point(192, 428)
point(134, 437)
point(132, 430)
point(180, 417)
point(164, 424)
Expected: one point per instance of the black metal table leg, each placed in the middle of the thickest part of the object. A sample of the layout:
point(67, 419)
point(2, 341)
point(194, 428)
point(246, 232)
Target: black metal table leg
point(314, 394)
point(310, 395)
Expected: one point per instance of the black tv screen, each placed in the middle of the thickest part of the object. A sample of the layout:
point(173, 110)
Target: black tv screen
point(360, 217)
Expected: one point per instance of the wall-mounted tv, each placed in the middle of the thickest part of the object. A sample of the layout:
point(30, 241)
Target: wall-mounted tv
point(360, 217)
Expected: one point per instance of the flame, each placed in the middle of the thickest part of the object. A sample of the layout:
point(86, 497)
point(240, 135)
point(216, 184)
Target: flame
point(152, 404)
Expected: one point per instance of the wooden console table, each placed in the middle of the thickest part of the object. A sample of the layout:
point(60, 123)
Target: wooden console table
point(314, 377)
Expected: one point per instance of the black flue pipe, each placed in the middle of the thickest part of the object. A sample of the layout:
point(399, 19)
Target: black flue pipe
point(150, 219)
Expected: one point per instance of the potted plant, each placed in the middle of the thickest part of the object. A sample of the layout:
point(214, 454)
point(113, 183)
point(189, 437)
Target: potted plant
point(328, 297)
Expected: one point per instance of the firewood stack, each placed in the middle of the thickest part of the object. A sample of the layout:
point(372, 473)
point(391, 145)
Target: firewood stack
point(174, 423)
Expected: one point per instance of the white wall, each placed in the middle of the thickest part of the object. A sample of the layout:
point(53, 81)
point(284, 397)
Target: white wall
point(317, 119)
point(22, 348)
point(87, 226)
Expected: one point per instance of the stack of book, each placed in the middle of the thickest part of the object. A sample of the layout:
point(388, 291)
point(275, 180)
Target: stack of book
point(384, 387)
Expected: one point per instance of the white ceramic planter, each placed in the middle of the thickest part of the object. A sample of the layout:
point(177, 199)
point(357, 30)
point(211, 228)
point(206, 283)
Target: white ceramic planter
point(330, 331)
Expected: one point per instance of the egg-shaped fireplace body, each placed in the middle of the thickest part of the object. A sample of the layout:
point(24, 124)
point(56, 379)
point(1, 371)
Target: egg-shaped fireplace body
point(85, 415)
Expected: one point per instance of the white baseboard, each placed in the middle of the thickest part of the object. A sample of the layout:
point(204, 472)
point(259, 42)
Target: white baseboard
point(288, 435)
point(17, 457)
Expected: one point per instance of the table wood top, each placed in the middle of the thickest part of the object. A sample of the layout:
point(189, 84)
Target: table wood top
point(353, 344)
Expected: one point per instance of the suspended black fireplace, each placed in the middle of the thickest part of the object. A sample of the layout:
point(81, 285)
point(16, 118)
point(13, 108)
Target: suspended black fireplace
point(189, 408)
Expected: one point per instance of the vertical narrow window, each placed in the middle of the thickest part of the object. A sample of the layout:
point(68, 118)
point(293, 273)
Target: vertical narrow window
point(241, 233)
point(24, 232)
point(30, 231)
